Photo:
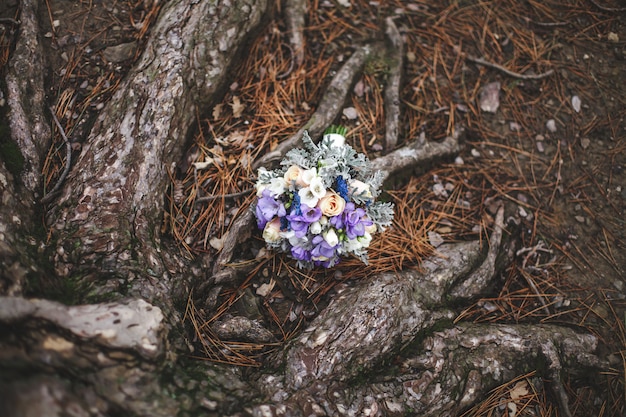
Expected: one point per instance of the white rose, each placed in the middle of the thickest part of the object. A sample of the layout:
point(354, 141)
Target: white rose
point(371, 229)
point(331, 237)
point(332, 204)
point(271, 233)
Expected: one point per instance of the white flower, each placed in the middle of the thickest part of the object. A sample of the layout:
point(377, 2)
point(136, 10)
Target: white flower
point(311, 195)
point(277, 186)
point(317, 187)
point(352, 245)
point(365, 240)
point(332, 204)
point(336, 140)
point(306, 177)
point(315, 228)
point(307, 197)
point(358, 243)
point(331, 237)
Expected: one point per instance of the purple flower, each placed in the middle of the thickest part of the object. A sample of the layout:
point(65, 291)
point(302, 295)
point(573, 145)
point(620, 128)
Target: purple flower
point(299, 223)
point(301, 254)
point(354, 221)
point(267, 207)
point(311, 214)
point(321, 248)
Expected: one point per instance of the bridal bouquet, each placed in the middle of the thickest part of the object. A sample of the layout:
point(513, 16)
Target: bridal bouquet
point(321, 204)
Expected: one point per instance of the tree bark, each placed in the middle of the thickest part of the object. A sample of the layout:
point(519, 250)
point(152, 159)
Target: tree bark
point(108, 218)
point(122, 351)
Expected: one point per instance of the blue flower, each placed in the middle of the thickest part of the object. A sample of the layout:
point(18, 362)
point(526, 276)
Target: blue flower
point(342, 187)
point(296, 204)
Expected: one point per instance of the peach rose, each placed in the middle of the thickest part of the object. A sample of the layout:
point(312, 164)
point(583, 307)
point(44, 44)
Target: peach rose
point(331, 204)
point(292, 174)
point(271, 233)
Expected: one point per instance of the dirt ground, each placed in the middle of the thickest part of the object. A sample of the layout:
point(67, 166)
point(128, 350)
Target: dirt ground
point(552, 146)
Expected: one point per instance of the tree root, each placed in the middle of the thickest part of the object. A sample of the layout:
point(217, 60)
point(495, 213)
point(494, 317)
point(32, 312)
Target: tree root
point(392, 86)
point(111, 203)
point(417, 153)
point(295, 11)
point(26, 97)
point(329, 107)
point(476, 283)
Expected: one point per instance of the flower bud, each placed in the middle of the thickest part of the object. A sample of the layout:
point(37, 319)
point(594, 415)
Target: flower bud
point(315, 228)
point(331, 237)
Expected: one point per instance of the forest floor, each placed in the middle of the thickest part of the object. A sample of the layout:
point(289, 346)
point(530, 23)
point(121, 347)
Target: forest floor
point(548, 138)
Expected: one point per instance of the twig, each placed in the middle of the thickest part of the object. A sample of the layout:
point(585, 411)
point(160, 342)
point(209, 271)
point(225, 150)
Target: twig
point(68, 161)
point(224, 196)
point(9, 20)
point(608, 9)
point(485, 63)
point(291, 65)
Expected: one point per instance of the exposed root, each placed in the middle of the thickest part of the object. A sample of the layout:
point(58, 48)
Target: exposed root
point(417, 153)
point(392, 86)
point(330, 105)
point(26, 96)
point(476, 283)
point(295, 11)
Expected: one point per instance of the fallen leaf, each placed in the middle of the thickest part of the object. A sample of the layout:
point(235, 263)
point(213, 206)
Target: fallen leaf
point(350, 113)
point(217, 243)
point(217, 110)
point(435, 239)
point(265, 289)
point(359, 88)
point(519, 390)
point(237, 106)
